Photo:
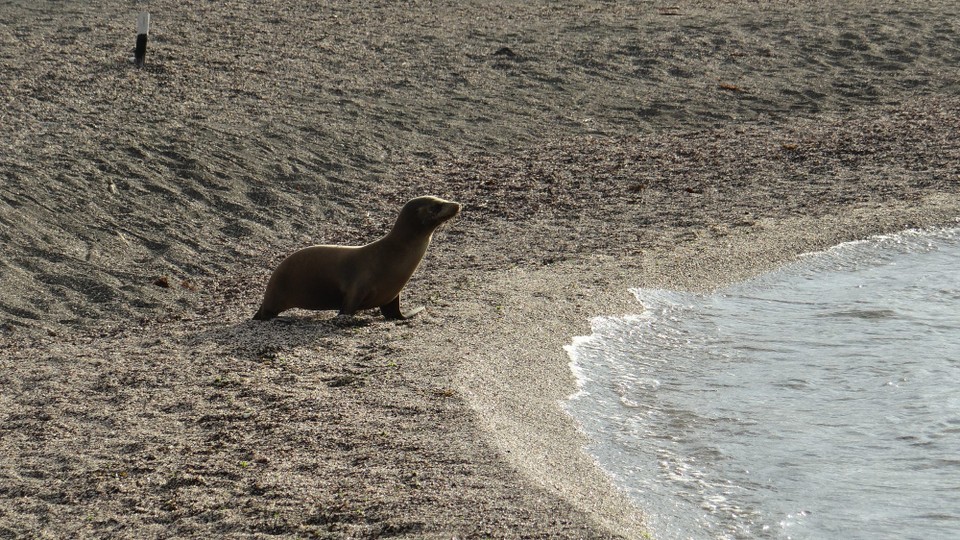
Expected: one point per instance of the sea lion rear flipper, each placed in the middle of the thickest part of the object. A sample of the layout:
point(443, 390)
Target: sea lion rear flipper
point(391, 310)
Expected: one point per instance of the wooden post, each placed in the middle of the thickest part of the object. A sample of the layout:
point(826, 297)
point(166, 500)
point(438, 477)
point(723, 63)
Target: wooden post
point(143, 28)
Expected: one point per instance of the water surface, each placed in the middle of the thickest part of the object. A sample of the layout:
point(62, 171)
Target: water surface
point(819, 401)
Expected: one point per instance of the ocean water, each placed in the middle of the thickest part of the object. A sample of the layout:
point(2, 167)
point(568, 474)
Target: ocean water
point(821, 401)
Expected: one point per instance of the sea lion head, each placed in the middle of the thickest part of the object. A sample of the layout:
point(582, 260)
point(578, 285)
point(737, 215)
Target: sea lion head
point(425, 214)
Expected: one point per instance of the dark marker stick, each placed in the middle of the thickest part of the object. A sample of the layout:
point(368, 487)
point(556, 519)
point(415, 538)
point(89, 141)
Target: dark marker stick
point(143, 28)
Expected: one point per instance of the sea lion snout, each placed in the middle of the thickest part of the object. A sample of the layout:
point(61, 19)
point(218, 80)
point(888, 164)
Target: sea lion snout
point(449, 211)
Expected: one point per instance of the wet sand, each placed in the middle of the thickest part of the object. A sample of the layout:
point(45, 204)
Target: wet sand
point(594, 147)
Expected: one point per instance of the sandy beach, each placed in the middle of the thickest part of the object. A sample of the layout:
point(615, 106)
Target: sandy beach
point(594, 147)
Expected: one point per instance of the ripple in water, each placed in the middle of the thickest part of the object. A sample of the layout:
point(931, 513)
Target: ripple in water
point(818, 401)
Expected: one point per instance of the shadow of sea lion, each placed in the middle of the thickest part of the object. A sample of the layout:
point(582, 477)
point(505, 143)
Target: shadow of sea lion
point(258, 341)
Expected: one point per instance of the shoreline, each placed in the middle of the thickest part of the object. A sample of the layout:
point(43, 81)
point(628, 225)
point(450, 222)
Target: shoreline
point(528, 423)
point(944, 222)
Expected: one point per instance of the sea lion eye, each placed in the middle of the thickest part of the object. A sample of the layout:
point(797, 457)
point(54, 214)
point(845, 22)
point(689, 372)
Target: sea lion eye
point(426, 214)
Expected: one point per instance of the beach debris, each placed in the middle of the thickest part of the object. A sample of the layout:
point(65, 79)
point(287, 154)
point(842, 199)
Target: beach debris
point(638, 187)
point(732, 88)
point(671, 11)
point(180, 480)
point(344, 380)
point(747, 219)
point(143, 28)
point(445, 392)
point(162, 281)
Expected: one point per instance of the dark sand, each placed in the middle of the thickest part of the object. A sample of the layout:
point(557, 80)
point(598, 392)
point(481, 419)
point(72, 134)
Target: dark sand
point(595, 147)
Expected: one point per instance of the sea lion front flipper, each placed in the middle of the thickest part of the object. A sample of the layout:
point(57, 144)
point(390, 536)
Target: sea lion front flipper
point(264, 314)
point(391, 310)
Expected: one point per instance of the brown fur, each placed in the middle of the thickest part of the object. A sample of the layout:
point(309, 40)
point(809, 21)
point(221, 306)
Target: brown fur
point(349, 278)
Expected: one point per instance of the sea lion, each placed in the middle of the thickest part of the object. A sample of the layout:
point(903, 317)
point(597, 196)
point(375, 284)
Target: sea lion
point(351, 278)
